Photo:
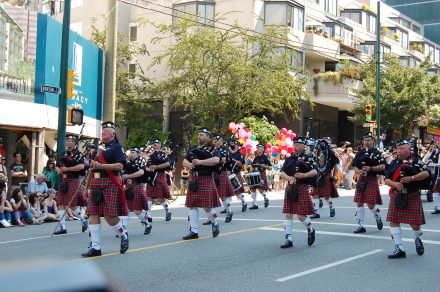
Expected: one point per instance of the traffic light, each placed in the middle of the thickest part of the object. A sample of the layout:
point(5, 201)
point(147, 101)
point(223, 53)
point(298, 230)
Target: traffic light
point(369, 113)
point(75, 116)
point(71, 83)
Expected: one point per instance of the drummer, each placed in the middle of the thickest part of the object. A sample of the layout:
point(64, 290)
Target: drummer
point(260, 164)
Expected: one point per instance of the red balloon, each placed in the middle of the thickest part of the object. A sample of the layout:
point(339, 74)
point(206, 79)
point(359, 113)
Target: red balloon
point(289, 149)
point(279, 136)
point(266, 150)
point(243, 151)
point(274, 150)
point(284, 131)
point(268, 145)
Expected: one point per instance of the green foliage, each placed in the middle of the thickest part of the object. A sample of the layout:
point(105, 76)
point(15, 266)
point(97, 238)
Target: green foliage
point(232, 73)
point(328, 76)
point(139, 135)
point(265, 131)
point(405, 93)
point(22, 69)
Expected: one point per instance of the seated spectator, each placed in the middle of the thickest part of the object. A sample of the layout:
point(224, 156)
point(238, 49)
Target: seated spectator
point(20, 205)
point(49, 206)
point(5, 206)
point(50, 174)
point(37, 185)
point(35, 207)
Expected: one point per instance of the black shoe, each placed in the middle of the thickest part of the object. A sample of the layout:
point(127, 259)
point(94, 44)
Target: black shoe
point(288, 243)
point(150, 219)
point(266, 202)
point(243, 207)
point(254, 207)
point(124, 244)
point(215, 230)
point(168, 216)
point(148, 229)
point(228, 218)
point(191, 235)
point(398, 254)
point(379, 223)
point(311, 236)
point(360, 230)
point(436, 211)
point(117, 236)
point(420, 249)
point(315, 216)
point(84, 225)
point(92, 253)
point(320, 203)
point(207, 222)
point(224, 211)
point(332, 212)
point(60, 231)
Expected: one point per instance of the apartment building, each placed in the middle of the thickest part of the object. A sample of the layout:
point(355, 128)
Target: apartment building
point(327, 31)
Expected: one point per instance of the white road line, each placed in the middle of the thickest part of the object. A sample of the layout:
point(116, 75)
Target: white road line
point(353, 235)
point(26, 239)
point(327, 266)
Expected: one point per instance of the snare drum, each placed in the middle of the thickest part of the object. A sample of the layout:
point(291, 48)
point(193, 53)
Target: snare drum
point(253, 179)
point(234, 182)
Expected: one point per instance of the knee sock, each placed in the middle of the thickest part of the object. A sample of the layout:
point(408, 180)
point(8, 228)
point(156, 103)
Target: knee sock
point(418, 233)
point(375, 211)
point(144, 218)
point(437, 200)
point(316, 205)
point(361, 215)
point(212, 216)
point(307, 223)
point(193, 218)
point(165, 206)
point(254, 198)
point(263, 193)
point(396, 234)
point(125, 221)
point(241, 198)
point(78, 213)
point(288, 225)
point(119, 230)
point(227, 205)
point(330, 203)
point(95, 234)
point(150, 207)
point(62, 218)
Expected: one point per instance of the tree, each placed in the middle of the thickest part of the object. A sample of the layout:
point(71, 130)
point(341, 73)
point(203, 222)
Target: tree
point(134, 107)
point(405, 93)
point(265, 131)
point(22, 69)
point(231, 73)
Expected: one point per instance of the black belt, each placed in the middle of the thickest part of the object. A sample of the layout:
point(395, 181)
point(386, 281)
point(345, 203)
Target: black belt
point(201, 173)
point(70, 175)
point(104, 174)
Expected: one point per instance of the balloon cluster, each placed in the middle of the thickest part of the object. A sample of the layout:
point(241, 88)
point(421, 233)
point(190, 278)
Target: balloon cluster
point(244, 136)
point(283, 144)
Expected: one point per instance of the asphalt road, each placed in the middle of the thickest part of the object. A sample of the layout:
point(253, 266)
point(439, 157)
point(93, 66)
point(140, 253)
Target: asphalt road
point(244, 257)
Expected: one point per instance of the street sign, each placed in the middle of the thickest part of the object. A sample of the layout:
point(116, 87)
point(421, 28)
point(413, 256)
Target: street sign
point(370, 125)
point(50, 89)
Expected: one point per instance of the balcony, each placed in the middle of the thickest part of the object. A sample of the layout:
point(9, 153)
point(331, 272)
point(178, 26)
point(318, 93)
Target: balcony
point(319, 48)
point(335, 95)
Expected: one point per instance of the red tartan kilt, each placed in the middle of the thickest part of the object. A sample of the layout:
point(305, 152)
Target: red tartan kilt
point(328, 190)
point(304, 205)
point(412, 214)
point(371, 194)
point(139, 201)
point(160, 189)
point(437, 187)
point(63, 199)
point(240, 179)
point(264, 185)
point(206, 195)
point(224, 188)
point(112, 204)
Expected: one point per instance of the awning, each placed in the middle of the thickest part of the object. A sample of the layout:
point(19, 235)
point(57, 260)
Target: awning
point(338, 21)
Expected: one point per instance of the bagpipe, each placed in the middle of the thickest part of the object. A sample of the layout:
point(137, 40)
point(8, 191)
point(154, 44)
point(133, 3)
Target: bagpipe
point(148, 145)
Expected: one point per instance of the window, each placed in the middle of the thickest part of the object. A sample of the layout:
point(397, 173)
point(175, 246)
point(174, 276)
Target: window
point(404, 23)
point(331, 6)
point(205, 11)
point(2, 38)
point(355, 15)
point(384, 50)
point(403, 37)
point(132, 68)
point(1, 52)
point(284, 14)
point(370, 22)
point(430, 51)
point(367, 48)
point(330, 66)
point(348, 37)
point(316, 1)
point(415, 63)
point(133, 33)
point(1, 64)
point(437, 56)
point(416, 29)
point(296, 58)
point(2, 24)
point(404, 61)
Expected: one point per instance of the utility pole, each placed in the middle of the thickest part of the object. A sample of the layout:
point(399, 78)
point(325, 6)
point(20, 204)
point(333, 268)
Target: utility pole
point(62, 102)
point(378, 48)
point(110, 62)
